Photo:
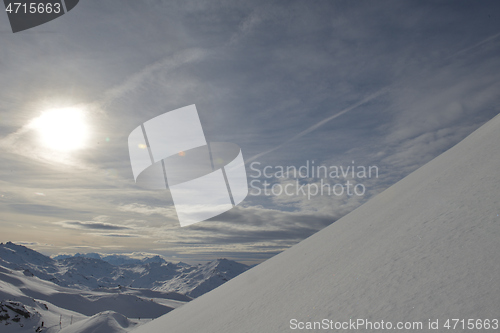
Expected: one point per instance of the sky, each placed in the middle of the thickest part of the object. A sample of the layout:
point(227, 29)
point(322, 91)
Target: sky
point(387, 84)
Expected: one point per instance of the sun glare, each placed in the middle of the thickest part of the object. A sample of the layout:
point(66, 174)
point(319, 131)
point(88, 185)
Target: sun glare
point(62, 129)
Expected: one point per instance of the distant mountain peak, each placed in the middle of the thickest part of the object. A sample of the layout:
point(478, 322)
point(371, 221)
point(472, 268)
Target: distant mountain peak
point(94, 271)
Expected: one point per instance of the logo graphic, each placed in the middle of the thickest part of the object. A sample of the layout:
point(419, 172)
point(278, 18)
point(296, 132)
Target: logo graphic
point(205, 179)
point(28, 14)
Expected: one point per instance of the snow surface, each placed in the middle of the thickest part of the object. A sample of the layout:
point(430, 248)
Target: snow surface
point(84, 302)
point(104, 322)
point(426, 248)
point(33, 311)
point(27, 301)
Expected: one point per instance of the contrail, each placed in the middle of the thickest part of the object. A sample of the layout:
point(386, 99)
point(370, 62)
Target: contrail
point(475, 45)
point(168, 63)
point(321, 123)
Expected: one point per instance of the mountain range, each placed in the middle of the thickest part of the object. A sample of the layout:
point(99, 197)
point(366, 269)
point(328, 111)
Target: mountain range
point(92, 271)
point(48, 294)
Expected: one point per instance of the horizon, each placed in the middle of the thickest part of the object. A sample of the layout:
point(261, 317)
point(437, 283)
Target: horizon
point(133, 255)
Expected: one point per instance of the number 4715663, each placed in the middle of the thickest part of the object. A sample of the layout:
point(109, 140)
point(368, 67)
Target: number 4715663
point(33, 8)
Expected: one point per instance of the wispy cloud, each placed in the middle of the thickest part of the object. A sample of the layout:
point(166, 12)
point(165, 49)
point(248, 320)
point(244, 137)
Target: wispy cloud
point(163, 66)
point(320, 123)
point(32, 244)
point(149, 210)
point(116, 235)
point(91, 225)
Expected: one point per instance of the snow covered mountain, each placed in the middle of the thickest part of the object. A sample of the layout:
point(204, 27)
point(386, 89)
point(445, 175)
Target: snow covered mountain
point(425, 250)
point(115, 259)
point(92, 271)
point(196, 281)
point(84, 293)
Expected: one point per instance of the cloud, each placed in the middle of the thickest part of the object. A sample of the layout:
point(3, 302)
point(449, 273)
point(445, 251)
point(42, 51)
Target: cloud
point(94, 225)
point(255, 18)
point(34, 244)
point(116, 235)
point(41, 210)
point(81, 247)
point(244, 229)
point(149, 210)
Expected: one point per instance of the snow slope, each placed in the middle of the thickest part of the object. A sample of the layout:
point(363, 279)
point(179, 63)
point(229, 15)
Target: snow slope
point(84, 302)
point(20, 313)
point(27, 301)
point(426, 248)
point(104, 322)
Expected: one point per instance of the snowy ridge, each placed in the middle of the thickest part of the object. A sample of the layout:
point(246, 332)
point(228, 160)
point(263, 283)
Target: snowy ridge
point(104, 322)
point(424, 249)
point(114, 259)
point(93, 271)
point(195, 282)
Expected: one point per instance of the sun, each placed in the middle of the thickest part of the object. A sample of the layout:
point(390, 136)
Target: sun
point(62, 129)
